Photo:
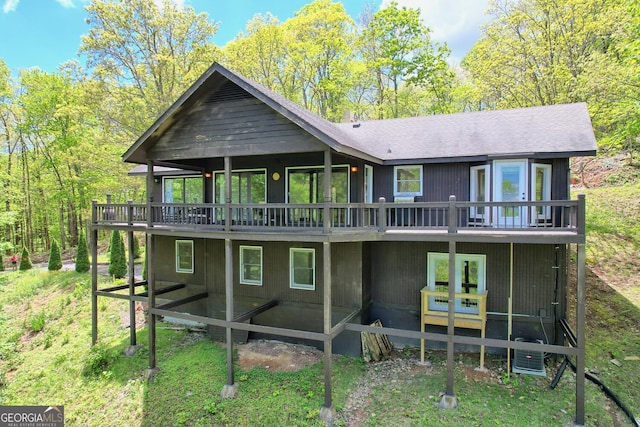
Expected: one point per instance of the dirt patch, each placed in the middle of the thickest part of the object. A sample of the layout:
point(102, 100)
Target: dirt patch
point(277, 356)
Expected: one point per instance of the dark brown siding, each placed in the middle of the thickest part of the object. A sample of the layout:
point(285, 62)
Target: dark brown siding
point(442, 180)
point(399, 271)
point(232, 127)
point(346, 272)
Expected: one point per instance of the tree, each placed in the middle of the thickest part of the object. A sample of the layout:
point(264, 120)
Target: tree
point(55, 260)
point(82, 255)
point(117, 260)
point(25, 261)
point(146, 53)
point(397, 49)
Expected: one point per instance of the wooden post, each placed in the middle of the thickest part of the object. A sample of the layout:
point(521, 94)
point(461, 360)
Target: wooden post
point(580, 330)
point(131, 273)
point(94, 279)
point(327, 412)
point(150, 183)
point(448, 400)
point(229, 389)
point(227, 193)
point(451, 317)
point(151, 285)
point(326, 223)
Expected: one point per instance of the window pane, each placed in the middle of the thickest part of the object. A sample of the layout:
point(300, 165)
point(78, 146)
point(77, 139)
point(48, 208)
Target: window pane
point(252, 273)
point(184, 256)
point(408, 179)
point(251, 268)
point(193, 190)
point(302, 268)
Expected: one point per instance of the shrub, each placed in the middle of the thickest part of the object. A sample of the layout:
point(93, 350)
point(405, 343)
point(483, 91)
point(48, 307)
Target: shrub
point(55, 260)
point(82, 255)
point(37, 322)
point(1, 263)
point(136, 248)
point(117, 261)
point(98, 360)
point(25, 261)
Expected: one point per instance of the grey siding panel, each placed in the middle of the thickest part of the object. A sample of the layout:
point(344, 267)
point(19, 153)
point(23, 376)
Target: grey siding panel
point(442, 180)
point(233, 127)
point(346, 273)
point(560, 179)
point(399, 271)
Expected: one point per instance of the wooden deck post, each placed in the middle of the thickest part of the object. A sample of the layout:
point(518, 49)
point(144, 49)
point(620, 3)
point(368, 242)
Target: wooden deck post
point(230, 388)
point(151, 284)
point(227, 193)
point(94, 278)
point(326, 218)
point(580, 331)
point(382, 215)
point(328, 411)
point(132, 279)
point(449, 400)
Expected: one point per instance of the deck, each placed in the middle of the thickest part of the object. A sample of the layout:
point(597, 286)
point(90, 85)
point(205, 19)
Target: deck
point(469, 221)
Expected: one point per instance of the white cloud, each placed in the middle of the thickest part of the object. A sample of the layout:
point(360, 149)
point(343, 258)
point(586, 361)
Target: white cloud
point(456, 22)
point(10, 5)
point(66, 3)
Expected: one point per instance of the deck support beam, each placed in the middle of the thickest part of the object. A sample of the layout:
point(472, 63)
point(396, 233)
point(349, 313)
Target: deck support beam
point(580, 331)
point(132, 279)
point(151, 300)
point(449, 400)
point(229, 389)
point(328, 411)
point(94, 285)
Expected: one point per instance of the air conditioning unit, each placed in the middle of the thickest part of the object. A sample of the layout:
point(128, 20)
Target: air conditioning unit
point(528, 362)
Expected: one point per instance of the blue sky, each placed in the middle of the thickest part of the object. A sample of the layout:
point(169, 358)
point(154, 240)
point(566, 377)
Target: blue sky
point(46, 33)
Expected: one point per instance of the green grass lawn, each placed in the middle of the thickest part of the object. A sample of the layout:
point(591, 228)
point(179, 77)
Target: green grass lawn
point(46, 359)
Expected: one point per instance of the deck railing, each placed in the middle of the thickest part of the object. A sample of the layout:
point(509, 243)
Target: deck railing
point(451, 216)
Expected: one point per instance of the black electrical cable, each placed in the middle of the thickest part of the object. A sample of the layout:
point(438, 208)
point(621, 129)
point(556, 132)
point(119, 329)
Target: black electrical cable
point(604, 388)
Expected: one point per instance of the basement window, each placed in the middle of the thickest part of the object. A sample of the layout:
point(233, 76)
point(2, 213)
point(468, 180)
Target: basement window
point(251, 265)
point(302, 262)
point(184, 256)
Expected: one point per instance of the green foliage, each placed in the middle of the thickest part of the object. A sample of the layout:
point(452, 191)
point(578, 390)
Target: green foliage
point(144, 269)
point(98, 360)
point(37, 321)
point(1, 262)
point(117, 259)
point(136, 247)
point(25, 261)
point(82, 255)
point(55, 260)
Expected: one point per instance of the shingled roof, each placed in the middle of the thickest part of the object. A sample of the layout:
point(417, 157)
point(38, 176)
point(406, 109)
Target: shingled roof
point(536, 132)
point(550, 131)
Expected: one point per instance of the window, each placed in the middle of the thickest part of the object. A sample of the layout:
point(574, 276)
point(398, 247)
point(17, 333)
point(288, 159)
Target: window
point(479, 191)
point(306, 185)
point(407, 181)
point(541, 190)
point(251, 265)
point(302, 263)
point(247, 186)
point(184, 256)
point(470, 279)
point(188, 189)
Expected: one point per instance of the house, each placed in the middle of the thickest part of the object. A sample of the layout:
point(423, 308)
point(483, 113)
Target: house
point(263, 219)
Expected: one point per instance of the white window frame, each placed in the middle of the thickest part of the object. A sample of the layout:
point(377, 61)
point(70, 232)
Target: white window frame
point(368, 184)
point(484, 216)
point(543, 214)
point(178, 268)
point(303, 286)
point(221, 172)
point(396, 192)
point(334, 168)
point(243, 279)
point(433, 257)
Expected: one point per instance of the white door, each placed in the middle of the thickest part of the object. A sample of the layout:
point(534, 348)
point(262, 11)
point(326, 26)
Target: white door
point(510, 185)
